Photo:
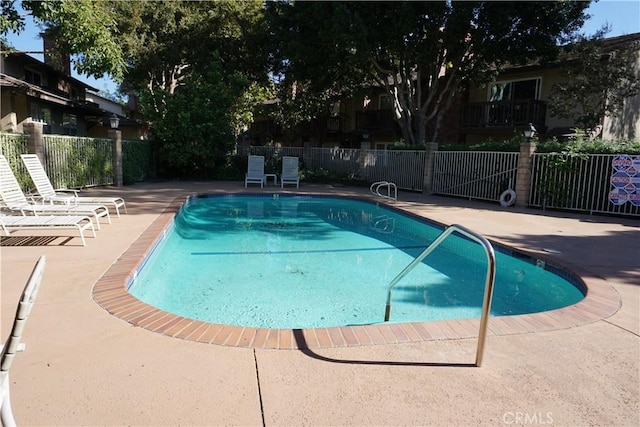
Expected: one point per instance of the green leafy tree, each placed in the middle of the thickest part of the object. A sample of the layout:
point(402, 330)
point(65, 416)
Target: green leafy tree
point(165, 41)
point(421, 53)
point(84, 29)
point(155, 40)
point(191, 125)
point(598, 77)
point(200, 68)
point(303, 112)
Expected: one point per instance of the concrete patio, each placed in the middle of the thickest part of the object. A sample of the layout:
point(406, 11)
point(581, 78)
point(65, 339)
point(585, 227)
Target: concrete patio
point(84, 366)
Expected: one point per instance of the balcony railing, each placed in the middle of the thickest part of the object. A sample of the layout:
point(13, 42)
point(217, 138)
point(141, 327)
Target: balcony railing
point(265, 127)
point(375, 120)
point(334, 124)
point(487, 116)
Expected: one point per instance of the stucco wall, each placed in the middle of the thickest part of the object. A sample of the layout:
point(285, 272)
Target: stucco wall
point(627, 125)
point(548, 77)
point(10, 103)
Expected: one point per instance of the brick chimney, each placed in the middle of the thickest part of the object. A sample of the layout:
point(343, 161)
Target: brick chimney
point(53, 56)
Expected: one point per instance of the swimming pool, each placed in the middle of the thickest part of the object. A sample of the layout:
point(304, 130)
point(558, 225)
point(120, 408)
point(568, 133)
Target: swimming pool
point(306, 262)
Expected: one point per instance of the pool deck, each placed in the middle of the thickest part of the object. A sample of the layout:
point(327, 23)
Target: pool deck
point(86, 366)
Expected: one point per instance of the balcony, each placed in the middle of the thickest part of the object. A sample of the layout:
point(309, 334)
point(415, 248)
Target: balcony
point(265, 127)
point(502, 116)
point(334, 124)
point(375, 121)
point(321, 126)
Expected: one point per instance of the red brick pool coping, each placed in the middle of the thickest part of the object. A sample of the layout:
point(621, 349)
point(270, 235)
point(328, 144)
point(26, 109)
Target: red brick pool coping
point(110, 292)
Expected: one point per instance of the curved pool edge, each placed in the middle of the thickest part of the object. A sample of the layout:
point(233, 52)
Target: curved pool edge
point(110, 292)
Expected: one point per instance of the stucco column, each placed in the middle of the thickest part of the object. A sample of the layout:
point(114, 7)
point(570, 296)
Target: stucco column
point(116, 137)
point(523, 177)
point(35, 141)
point(430, 154)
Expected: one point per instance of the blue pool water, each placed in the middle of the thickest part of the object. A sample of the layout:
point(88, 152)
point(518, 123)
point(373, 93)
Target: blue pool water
point(304, 262)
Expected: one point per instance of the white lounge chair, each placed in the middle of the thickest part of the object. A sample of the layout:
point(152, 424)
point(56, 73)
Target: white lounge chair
point(13, 344)
point(14, 199)
point(255, 171)
point(49, 194)
point(21, 222)
point(290, 173)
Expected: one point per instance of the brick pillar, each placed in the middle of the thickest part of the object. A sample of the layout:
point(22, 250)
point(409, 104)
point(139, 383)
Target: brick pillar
point(35, 141)
point(427, 181)
point(116, 137)
point(523, 178)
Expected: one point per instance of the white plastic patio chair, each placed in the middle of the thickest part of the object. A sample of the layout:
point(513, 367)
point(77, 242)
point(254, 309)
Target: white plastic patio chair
point(255, 171)
point(15, 200)
point(13, 343)
point(22, 222)
point(290, 173)
point(49, 194)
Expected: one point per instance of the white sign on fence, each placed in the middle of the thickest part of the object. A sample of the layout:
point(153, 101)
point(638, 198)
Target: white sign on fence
point(625, 180)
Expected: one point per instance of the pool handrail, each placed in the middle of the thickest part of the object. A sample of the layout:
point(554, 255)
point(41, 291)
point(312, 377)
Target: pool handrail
point(489, 280)
point(390, 185)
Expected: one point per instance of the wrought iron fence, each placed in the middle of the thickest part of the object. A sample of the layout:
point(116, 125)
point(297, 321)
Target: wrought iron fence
point(75, 162)
point(11, 146)
point(403, 167)
point(558, 181)
point(479, 175)
point(583, 183)
point(338, 161)
point(272, 155)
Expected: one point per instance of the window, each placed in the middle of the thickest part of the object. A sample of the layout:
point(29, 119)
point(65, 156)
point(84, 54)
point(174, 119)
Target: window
point(69, 124)
point(385, 102)
point(40, 113)
point(335, 109)
point(33, 77)
point(515, 90)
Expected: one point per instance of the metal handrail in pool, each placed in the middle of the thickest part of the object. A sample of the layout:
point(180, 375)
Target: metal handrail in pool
point(488, 289)
point(376, 191)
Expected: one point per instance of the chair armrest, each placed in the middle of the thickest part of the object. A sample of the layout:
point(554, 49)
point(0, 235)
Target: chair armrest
point(35, 198)
point(21, 347)
point(67, 190)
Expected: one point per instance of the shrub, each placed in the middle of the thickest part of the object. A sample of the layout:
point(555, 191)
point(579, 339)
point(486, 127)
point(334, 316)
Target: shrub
point(586, 146)
point(231, 168)
point(578, 144)
point(509, 145)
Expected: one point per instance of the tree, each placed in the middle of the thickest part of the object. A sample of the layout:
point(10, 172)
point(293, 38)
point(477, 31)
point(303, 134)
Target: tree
point(302, 111)
point(421, 53)
point(166, 41)
point(598, 77)
point(192, 124)
point(83, 28)
point(200, 68)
